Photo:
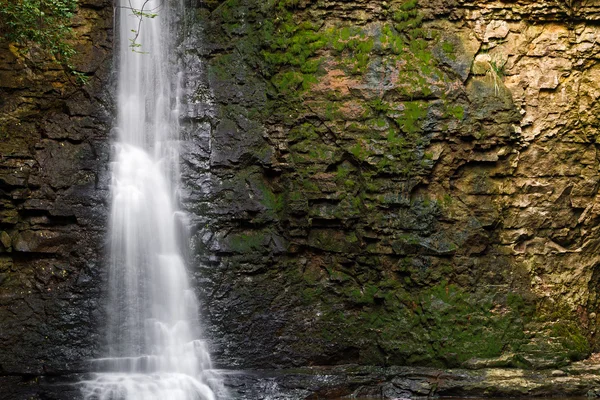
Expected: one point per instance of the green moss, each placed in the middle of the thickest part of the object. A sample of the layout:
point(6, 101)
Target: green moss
point(403, 153)
point(302, 132)
point(343, 171)
point(290, 50)
point(296, 196)
point(380, 122)
point(310, 153)
point(220, 66)
point(449, 49)
point(379, 106)
point(409, 239)
point(271, 201)
point(288, 82)
point(359, 151)
point(412, 117)
point(245, 242)
point(407, 16)
point(294, 53)
point(350, 184)
point(331, 111)
point(573, 340)
point(309, 186)
point(457, 112)
point(333, 241)
point(311, 294)
point(561, 327)
point(353, 47)
point(364, 295)
point(396, 303)
point(439, 326)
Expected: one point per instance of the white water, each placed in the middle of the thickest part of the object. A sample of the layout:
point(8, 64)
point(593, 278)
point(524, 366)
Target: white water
point(153, 328)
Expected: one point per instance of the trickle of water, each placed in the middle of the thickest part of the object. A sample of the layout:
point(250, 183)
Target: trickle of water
point(153, 322)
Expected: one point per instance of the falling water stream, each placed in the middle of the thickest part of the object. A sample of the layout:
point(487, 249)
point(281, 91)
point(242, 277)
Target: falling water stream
point(153, 328)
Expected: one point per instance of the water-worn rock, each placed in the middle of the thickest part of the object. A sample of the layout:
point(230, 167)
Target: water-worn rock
point(406, 382)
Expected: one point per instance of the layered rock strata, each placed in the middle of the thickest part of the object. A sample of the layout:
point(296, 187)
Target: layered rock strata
point(53, 193)
point(369, 183)
point(395, 183)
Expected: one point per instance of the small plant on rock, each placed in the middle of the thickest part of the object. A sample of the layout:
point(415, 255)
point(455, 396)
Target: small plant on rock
point(40, 24)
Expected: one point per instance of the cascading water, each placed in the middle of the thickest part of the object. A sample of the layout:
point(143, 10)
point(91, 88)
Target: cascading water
point(153, 314)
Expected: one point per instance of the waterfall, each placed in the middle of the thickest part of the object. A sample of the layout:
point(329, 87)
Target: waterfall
point(153, 326)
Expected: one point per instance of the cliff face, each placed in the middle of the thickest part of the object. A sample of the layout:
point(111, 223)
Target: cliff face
point(375, 183)
point(53, 191)
point(396, 182)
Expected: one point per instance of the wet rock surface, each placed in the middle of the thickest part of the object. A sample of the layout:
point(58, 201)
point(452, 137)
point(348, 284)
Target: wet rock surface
point(368, 183)
point(410, 382)
point(394, 184)
point(53, 196)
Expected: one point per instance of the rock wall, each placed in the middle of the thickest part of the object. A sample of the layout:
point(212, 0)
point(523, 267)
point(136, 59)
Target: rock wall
point(395, 183)
point(377, 183)
point(53, 194)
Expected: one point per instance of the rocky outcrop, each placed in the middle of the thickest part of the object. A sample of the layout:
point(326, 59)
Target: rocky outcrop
point(53, 193)
point(395, 183)
point(373, 187)
point(408, 382)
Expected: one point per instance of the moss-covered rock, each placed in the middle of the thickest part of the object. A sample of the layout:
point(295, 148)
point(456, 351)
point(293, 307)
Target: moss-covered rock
point(426, 219)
